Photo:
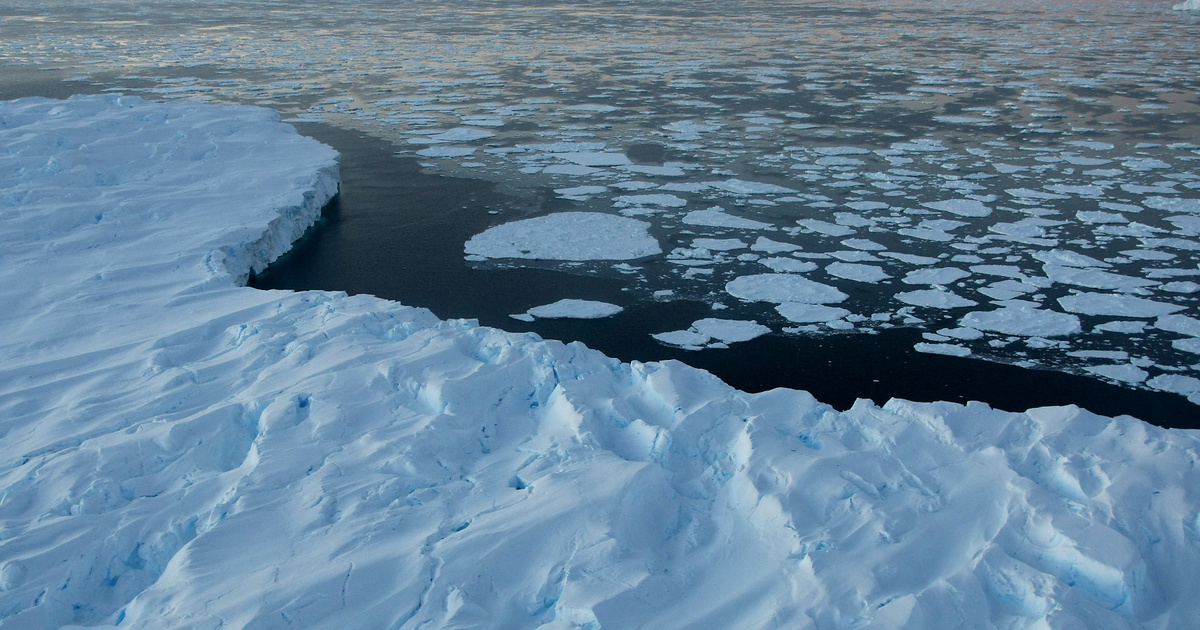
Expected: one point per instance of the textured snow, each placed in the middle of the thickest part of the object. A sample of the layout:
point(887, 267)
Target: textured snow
point(575, 309)
point(567, 236)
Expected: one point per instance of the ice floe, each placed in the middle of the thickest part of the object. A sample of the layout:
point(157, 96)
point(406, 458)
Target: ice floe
point(566, 236)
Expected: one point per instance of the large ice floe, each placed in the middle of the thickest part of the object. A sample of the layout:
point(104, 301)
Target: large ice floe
point(180, 451)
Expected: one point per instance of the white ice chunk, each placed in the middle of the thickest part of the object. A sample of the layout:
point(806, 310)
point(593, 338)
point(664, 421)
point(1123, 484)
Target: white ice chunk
point(730, 330)
point(960, 207)
point(766, 245)
point(780, 288)
point(575, 309)
point(462, 134)
point(567, 236)
point(1024, 321)
point(948, 349)
point(1124, 372)
point(1118, 305)
point(717, 217)
point(802, 313)
point(935, 298)
point(1181, 324)
point(740, 187)
point(660, 200)
point(856, 271)
point(936, 275)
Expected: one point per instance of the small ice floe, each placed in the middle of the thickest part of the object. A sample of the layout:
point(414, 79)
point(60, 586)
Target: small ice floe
point(1116, 305)
point(779, 288)
point(948, 349)
point(717, 217)
point(712, 332)
point(570, 309)
point(566, 236)
point(960, 207)
point(935, 298)
point(1023, 321)
point(857, 272)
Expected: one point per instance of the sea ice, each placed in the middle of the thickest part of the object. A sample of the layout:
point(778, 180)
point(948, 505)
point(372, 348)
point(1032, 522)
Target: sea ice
point(960, 207)
point(1024, 321)
point(575, 309)
point(566, 236)
point(935, 298)
point(780, 288)
point(1117, 305)
point(717, 217)
point(856, 272)
point(801, 313)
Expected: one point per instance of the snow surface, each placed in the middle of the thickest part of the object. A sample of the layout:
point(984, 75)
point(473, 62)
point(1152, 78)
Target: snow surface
point(180, 451)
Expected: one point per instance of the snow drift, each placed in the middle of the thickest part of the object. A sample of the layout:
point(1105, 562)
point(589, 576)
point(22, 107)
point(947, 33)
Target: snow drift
point(180, 451)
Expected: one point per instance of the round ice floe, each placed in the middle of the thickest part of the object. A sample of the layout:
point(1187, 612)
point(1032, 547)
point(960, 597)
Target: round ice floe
point(810, 313)
point(575, 309)
point(935, 298)
point(567, 236)
point(1119, 305)
point(1025, 321)
point(780, 288)
point(961, 207)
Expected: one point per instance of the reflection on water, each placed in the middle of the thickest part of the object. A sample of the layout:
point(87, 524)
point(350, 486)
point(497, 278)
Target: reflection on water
point(1011, 181)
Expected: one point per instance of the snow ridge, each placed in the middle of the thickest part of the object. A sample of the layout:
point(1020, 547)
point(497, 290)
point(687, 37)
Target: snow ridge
point(177, 451)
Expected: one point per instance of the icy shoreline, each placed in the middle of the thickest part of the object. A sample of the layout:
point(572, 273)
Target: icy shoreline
point(179, 451)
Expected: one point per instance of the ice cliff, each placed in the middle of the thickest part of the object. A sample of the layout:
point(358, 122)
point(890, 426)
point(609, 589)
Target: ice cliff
point(180, 451)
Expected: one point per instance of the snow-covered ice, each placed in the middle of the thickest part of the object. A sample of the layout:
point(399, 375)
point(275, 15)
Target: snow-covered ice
point(570, 308)
point(566, 236)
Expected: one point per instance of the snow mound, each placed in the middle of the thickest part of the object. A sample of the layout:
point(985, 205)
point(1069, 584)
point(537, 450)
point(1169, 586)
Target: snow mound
point(567, 236)
point(179, 451)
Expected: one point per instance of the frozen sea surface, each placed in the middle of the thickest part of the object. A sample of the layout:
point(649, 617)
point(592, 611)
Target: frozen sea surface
point(181, 451)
